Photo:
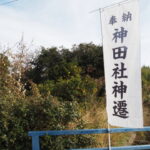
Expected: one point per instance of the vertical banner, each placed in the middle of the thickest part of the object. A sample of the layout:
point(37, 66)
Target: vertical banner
point(121, 46)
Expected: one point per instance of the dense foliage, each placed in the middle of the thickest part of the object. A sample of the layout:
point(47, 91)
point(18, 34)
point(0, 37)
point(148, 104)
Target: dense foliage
point(59, 89)
point(146, 83)
point(53, 63)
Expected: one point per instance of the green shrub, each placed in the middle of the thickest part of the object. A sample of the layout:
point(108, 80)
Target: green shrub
point(146, 84)
point(77, 88)
point(31, 114)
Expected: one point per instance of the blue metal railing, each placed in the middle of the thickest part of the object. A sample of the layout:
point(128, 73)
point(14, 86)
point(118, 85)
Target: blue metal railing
point(36, 134)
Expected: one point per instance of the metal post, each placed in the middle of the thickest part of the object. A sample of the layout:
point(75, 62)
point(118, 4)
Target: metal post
point(35, 143)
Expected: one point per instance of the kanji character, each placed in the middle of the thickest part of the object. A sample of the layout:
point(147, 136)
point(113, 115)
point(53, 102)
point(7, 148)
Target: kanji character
point(119, 72)
point(120, 35)
point(126, 17)
point(119, 89)
point(113, 20)
point(120, 52)
point(120, 109)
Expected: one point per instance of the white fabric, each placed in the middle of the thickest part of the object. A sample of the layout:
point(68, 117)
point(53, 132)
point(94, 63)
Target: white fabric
point(133, 94)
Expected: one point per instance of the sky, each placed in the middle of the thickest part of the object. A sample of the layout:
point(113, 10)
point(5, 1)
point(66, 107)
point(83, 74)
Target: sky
point(62, 23)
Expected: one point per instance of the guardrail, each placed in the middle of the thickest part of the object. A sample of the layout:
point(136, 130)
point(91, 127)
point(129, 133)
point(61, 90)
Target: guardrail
point(36, 134)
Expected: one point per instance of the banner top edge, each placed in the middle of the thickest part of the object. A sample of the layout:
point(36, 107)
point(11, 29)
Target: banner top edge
point(116, 4)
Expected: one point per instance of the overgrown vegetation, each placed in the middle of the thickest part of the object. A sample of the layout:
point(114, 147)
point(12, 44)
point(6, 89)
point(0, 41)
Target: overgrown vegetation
point(56, 90)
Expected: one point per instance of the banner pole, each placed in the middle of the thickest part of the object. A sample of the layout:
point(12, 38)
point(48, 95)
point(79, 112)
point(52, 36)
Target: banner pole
point(109, 136)
point(108, 126)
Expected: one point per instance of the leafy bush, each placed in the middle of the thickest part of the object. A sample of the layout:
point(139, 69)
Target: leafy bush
point(146, 84)
point(37, 114)
point(73, 89)
point(90, 58)
point(53, 63)
point(21, 113)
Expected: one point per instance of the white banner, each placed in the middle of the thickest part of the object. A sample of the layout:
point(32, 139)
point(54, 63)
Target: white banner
point(121, 46)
